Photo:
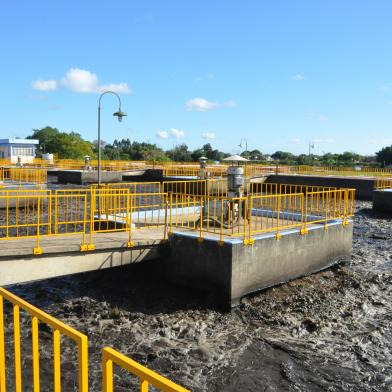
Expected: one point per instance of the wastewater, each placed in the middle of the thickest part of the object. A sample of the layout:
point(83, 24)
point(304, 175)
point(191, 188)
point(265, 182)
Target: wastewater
point(329, 331)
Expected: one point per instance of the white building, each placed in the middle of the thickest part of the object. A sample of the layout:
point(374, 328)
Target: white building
point(13, 148)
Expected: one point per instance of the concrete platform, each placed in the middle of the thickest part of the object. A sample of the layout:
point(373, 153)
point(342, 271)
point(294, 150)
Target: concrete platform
point(232, 270)
point(382, 201)
point(62, 256)
point(87, 177)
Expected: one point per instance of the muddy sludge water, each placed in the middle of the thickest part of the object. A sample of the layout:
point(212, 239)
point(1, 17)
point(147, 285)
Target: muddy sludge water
point(330, 331)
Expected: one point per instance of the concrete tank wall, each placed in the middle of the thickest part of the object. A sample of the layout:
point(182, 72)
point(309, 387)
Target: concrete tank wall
point(382, 201)
point(364, 186)
point(232, 270)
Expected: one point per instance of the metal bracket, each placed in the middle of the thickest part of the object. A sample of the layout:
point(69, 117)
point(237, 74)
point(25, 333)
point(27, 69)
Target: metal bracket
point(304, 231)
point(250, 241)
point(130, 244)
point(37, 251)
point(278, 236)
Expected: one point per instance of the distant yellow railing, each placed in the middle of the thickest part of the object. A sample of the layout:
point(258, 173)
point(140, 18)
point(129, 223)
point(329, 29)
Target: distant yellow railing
point(275, 189)
point(109, 356)
point(23, 175)
point(213, 186)
point(179, 170)
point(146, 376)
point(341, 171)
point(383, 183)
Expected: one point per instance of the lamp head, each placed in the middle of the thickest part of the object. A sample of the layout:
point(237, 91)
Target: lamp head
point(120, 115)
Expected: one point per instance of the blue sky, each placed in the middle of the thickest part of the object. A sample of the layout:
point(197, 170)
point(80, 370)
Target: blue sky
point(276, 73)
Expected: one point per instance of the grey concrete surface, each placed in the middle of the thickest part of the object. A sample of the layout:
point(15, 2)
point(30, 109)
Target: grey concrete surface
point(382, 201)
point(87, 177)
point(62, 256)
point(232, 270)
point(144, 175)
point(32, 268)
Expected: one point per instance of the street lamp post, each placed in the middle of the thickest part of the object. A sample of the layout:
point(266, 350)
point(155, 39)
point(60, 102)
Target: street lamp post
point(119, 114)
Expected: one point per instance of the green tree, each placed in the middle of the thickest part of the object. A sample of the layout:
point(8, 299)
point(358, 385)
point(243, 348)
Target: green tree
point(65, 145)
point(180, 153)
point(282, 156)
point(384, 156)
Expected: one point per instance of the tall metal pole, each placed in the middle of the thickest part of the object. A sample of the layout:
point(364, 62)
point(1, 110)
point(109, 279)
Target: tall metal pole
point(99, 143)
point(119, 114)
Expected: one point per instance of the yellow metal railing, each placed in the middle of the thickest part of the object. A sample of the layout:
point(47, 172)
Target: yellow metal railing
point(58, 329)
point(245, 217)
point(276, 189)
point(383, 183)
point(179, 170)
point(146, 376)
point(23, 175)
point(84, 213)
point(109, 356)
point(341, 171)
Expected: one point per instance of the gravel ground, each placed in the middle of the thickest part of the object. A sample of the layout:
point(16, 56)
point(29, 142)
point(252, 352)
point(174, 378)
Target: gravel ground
point(330, 331)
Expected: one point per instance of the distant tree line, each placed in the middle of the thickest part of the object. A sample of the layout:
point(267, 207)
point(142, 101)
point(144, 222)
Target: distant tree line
point(72, 146)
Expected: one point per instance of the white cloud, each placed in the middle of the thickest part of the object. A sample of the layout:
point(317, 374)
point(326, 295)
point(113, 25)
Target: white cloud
point(117, 88)
point(298, 77)
point(178, 134)
point(208, 135)
point(173, 133)
point(80, 81)
point(294, 140)
point(200, 105)
point(203, 105)
point(44, 85)
point(163, 134)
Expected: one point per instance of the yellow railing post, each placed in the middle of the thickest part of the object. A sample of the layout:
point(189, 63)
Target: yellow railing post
point(92, 220)
point(143, 385)
point(17, 356)
point(165, 223)
point(83, 364)
point(170, 214)
point(221, 242)
point(278, 207)
point(2, 347)
point(201, 220)
point(56, 361)
point(37, 250)
point(304, 214)
point(35, 352)
point(107, 373)
point(129, 218)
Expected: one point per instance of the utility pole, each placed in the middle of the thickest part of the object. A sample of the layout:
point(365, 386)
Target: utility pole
point(311, 146)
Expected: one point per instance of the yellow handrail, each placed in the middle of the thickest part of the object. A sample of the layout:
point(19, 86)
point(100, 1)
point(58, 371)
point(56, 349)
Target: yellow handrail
point(58, 328)
point(145, 375)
